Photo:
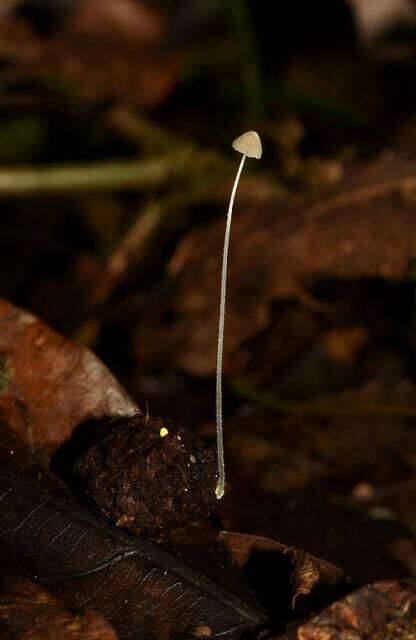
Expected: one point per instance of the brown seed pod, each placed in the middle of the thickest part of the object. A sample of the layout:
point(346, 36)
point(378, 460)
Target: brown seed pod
point(149, 475)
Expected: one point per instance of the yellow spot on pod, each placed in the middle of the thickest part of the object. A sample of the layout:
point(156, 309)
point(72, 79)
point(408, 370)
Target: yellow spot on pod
point(163, 432)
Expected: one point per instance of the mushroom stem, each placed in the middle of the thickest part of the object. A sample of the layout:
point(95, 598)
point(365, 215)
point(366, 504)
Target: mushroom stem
point(219, 491)
point(249, 145)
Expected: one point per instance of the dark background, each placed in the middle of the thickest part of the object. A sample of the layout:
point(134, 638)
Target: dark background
point(319, 373)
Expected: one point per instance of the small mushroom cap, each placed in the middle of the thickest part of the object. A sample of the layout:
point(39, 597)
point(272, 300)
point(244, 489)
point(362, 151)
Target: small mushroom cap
point(249, 144)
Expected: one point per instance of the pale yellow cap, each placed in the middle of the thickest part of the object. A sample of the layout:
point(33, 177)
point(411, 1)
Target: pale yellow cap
point(249, 144)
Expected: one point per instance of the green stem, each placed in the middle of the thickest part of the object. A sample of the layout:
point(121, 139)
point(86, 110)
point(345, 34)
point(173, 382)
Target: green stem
point(103, 176)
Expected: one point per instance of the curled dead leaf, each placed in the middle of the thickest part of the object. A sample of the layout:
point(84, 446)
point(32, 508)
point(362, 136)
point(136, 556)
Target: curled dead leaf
point(309, 577)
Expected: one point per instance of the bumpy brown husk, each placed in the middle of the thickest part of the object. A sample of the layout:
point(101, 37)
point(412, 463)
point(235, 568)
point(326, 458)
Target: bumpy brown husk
point(149, 475)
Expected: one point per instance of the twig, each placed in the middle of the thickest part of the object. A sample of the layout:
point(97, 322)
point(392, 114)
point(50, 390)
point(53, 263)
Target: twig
point(131, 251)
point(128, 252)
point(310, 302)
point(357, 195)
point(103, 176)
point(144, 132)
point(271, 402)
point(211, 164)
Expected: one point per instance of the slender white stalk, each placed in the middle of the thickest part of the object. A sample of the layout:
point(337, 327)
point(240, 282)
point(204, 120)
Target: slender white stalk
point(219, 491)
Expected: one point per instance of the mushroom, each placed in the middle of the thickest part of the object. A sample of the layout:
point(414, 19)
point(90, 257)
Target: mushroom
point(249, 145)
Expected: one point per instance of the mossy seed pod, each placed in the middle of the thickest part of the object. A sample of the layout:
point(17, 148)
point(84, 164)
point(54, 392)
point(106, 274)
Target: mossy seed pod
point(149, 475)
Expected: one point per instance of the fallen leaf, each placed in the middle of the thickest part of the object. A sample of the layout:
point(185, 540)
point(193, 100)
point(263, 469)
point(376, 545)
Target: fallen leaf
point(342, 534)
point(28, 612)
point(103, 50)
point(140, 588)
point(278, 250)
point(375, 17)
point(381, 611)
point(308, 576)
point(49, 386)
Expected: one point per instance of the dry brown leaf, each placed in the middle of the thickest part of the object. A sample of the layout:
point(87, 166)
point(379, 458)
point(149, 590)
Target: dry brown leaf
point(143, 589)
point(28, 612)
point(365, 229)
point(49, 385)
point(104, 50)
point(375, 17)
point(308, 576)
point(381, 611)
